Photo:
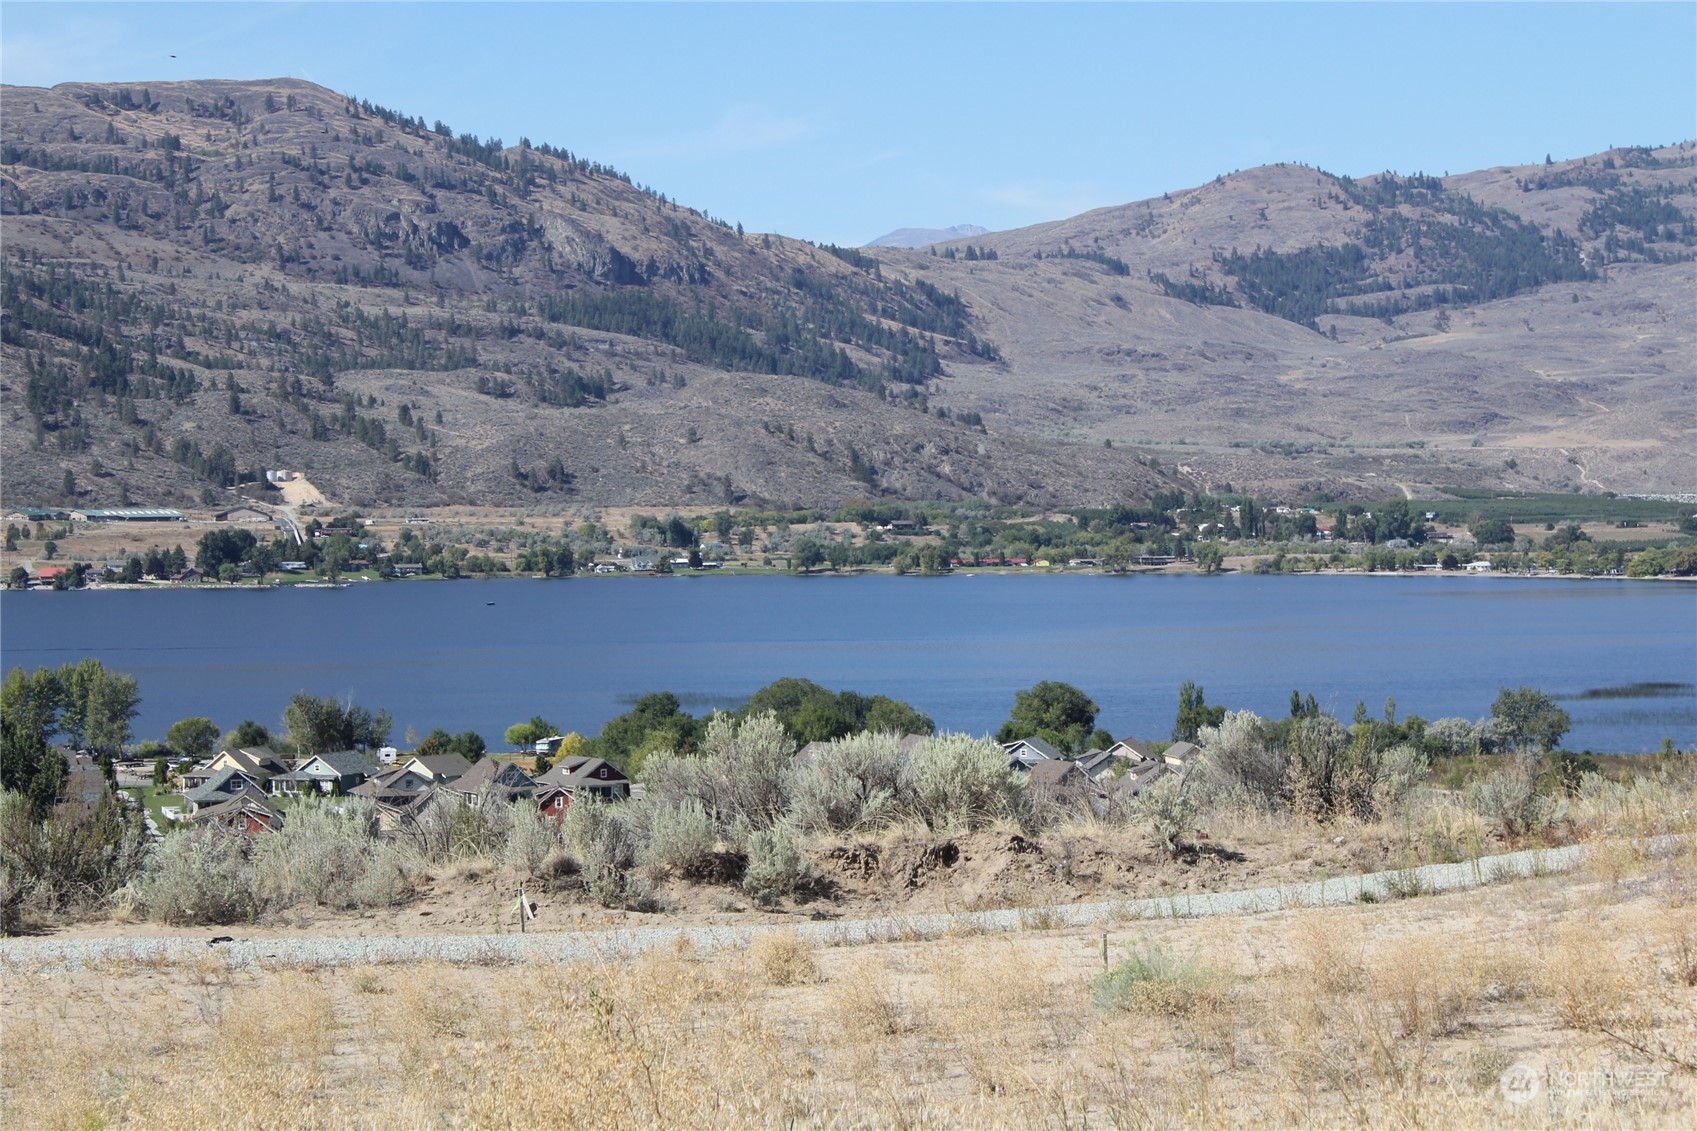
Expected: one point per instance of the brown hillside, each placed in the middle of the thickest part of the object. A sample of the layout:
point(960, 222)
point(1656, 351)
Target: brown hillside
point(206, 280)
point(1586, 384)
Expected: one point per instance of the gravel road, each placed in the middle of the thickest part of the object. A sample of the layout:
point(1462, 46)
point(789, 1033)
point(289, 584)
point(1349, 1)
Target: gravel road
point(19, 955)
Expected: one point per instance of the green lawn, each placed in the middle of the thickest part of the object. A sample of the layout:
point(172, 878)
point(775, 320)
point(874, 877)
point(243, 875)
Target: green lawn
point(156, 797)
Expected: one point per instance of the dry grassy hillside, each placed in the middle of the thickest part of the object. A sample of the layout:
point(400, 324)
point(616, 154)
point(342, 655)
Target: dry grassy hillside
point(204, 280)
point(1585, 384)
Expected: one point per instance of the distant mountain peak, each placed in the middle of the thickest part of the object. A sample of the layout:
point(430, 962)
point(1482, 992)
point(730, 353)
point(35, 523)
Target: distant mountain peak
point(924, 237)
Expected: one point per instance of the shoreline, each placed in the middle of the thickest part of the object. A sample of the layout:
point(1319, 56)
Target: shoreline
point(973, 571)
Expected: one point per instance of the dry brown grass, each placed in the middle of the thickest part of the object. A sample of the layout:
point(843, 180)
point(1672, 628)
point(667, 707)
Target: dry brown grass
point(1399, 1014)
point(784, 959)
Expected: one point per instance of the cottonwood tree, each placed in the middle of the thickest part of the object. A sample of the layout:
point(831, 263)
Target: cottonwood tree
point(193, 737)
point(246, 734)
point(1055, 712)
point(317, 726)
point(1530, 718)
point(1194, 713)
point(98, 706)
point(528, 733)
point(467, 744)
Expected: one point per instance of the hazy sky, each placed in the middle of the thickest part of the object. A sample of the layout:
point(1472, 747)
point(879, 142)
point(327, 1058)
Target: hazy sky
point(839, 122)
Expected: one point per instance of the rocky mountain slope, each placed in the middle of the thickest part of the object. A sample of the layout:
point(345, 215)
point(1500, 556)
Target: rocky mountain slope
point(205, 280)
point(1530, 328)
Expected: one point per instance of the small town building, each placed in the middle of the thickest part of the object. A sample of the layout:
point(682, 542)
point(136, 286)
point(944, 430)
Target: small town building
point(580, 778)
point(1181, 754)
point(126, 514)
point(221, 786)
point(248, 813)
point(440, 768)
point(259, 764)
point(494, 778)
point(241, 514)
point(1025, 753)
point(333, 773)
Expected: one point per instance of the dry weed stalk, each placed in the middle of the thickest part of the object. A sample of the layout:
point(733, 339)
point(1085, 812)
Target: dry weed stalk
point(869, 1005)
point(784, 959)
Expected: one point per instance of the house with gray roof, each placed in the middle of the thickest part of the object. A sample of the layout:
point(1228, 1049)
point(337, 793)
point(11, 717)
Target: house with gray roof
point(1122, 757)
point(84, 787)
point(1025, 753)
point(259, 763)
point(579, 778)
point(333, 773)
point(1057, 775)
point(440, 767)
point(221, 786)
point(395, 786)
point(494, 778)
point(248, 812)
point(1181, 753)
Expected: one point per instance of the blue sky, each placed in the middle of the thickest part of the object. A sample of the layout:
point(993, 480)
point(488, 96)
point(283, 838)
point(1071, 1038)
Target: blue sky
point(839, 122)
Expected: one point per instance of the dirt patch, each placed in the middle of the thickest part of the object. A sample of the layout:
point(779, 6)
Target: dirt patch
point(905, 870)
point(298, 492)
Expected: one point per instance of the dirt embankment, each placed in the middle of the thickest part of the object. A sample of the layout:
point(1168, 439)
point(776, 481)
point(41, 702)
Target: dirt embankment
point(903, 871)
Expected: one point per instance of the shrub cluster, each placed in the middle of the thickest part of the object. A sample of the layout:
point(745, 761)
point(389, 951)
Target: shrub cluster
point(748, 799)
point(64, 862)
point(330, 853)
point(1310, 765)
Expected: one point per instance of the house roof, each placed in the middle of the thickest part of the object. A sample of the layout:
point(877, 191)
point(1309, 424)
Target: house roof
point(1095, 760)
point(1035, 744)
point(1131, 748)
point(1180, 752)
point(590, 773)
point(430, 796)
point(807, 753)
point(249, 799)
point(248, 791)
point(443, 767)
point(503, 777)
point(85, 784)
point(1139, 777)
point(1053, 772)
point(255, 761)
point(344, 762)
point(218, 786)
point(383, 789)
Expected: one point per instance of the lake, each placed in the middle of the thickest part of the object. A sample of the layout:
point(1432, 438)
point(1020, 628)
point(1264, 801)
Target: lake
point(482, 655)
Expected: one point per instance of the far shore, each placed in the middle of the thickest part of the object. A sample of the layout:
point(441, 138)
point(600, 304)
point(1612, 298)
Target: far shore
point(975, 571)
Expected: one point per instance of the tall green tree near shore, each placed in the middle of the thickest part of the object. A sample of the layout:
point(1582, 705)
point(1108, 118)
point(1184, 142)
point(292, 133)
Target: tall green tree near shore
point(1531, 718)
point(99, 706)
point(1194, 713)
point(1056, 712)
point(521, 735)
point(247, 734)
point(318, 726)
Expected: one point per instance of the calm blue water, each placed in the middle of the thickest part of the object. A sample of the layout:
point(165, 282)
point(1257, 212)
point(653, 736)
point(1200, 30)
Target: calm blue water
point(578, 651)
